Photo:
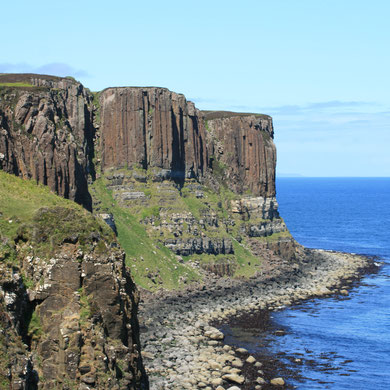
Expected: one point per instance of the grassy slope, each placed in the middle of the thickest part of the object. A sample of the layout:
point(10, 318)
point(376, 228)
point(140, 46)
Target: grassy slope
point(143, 255)
point(152, 265)
point(44, 218)
point(139, 241)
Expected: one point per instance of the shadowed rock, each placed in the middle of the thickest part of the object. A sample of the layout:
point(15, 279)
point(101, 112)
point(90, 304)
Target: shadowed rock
point(152, 127)
point(242, 151)
point(45, 133)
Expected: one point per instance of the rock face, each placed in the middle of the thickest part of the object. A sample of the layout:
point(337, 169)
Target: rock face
point(190, 246)
point(157, 128)
point(265, 208)
point(242, 151)
point(46, 133)
point(151, 127)
point(77, 317)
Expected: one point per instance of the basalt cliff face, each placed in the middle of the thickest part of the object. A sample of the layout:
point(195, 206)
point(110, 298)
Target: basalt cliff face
point(243, 144)
point(45, 132)
point(202, 183)
point(152, 128)
point(190, 194)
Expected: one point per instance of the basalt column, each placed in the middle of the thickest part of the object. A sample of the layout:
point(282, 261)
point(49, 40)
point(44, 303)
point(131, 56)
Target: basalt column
point(152, 128)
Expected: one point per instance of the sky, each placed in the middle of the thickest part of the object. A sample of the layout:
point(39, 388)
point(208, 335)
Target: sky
point(320, 68)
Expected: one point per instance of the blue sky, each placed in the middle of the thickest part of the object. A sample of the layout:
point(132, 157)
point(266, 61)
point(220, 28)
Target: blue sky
point(320, 68)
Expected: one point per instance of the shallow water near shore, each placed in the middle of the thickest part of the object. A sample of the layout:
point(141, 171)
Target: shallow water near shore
point(341, 342)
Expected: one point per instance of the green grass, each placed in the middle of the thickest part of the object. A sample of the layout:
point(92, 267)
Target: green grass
point(143, 243)
point(85, 307)
point(218, 168)
point(153, 211)
point(8, 254)
point(144, 255)
point(193, 204)
point(34, 327)
point(17, 85)
point(96, 103)
point(31, 212)
point(20, 199)
point(276, 236)
point(248, 264)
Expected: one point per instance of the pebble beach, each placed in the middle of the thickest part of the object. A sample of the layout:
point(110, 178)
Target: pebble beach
point(183, 347)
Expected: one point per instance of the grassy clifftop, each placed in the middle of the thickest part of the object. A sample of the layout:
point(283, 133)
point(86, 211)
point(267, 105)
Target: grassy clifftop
point(32, 212)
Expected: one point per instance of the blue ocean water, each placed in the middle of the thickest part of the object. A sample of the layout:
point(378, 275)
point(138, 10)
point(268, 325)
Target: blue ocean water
point(342, 343)
point(344, 214)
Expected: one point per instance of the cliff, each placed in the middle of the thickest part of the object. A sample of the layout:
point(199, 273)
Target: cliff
point(156, 128)
point(67, 303)
point(45, 132)
point(199, 183)
point(242, 144)
point(151, 127)
point(190, 196)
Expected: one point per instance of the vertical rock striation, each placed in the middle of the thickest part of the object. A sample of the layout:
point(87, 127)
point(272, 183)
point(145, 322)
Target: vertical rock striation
point(152, 127)
point(242, 151)
point(46, 133)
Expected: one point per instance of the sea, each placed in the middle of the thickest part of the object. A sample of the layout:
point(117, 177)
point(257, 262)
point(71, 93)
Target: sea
point(336, 343)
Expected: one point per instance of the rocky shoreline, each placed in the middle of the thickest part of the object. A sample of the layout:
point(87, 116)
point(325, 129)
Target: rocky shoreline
point(182, 347)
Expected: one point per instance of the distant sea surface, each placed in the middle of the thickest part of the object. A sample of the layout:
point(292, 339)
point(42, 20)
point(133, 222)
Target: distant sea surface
point(343, 343)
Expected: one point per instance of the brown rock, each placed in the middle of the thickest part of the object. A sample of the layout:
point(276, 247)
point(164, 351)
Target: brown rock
point(45, 133)
point(234, 378)
point(83, 325)
point(152, 127)
point(242, 146)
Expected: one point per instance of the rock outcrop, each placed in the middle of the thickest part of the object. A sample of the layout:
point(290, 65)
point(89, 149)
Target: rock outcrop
point(46, 133)
point(190, 246)
point(151, 127)
point(242, 151)
point(75, 310)
point(157, 128)
point(256, 207)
